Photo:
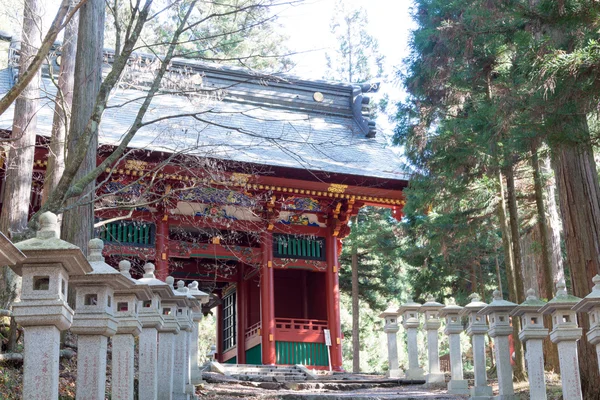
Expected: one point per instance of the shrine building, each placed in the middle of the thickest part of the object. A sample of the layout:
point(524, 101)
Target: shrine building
point(246, 183)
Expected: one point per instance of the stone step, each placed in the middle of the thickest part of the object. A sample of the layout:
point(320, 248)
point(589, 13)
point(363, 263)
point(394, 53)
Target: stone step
point(283, 371)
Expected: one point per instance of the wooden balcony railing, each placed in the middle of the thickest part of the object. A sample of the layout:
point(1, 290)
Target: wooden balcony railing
point(300, 330)
point(252, 335)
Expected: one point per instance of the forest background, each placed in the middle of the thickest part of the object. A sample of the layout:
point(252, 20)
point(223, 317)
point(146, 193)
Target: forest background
point(499, 130)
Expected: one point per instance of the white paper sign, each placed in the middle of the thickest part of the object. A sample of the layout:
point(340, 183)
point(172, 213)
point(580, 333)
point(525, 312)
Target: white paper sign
point(327, 334)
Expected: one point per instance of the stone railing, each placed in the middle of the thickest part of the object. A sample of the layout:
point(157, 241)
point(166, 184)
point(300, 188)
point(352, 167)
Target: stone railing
point(495, 320)
point(110, 305)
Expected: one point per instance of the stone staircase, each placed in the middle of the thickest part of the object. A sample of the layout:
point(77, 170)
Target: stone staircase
point(265, 373)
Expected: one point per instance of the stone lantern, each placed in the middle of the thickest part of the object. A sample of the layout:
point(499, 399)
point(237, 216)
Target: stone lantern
point(565, 333)
point(181, 358)
point(129, 326)
point(410, 322)
point(591, 305)
point(431, 310)
point(195, 374)
point(390, 317)
point(457, 383)
point(43, 310)
point(151, 317)
point(500, 328)
point(533, 333)
point(95, 321)
point(477, 330)
point(9, 253)
point(166, 342)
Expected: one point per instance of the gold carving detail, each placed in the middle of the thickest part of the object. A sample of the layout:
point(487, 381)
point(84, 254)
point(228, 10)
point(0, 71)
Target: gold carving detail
point(135, 165)
point(337, 188)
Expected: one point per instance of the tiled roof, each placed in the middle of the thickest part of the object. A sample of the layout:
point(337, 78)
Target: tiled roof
point(269, 122)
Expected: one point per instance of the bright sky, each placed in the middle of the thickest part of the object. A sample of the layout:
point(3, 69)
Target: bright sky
point(308, 28)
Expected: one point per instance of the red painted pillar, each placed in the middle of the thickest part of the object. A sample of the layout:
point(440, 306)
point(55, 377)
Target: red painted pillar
point(161, 243)
point(241, 315)
point(333, 302)
point(267, 300)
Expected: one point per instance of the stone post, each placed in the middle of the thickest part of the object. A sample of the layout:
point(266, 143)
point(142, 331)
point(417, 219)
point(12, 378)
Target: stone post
point(390, 317)
point(457, 384)
point(410, 322)
point(43, 310)
point(129, 326)
point(500, 328)
point(95, 321)
point(181, 356)
point(533, 333)
point(152, 322)
point(195, 374)
point(431, 310)
point(166, 347)
point(565, 333)
point(477, 329)
point(591, 305)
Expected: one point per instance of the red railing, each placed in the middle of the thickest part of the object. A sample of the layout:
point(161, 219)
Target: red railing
point(300, 330)
point(252, 335)
point(254, 330)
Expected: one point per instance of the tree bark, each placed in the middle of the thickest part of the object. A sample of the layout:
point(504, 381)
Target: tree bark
point(19, 162)
point(519, 366)
point(78, 218)
point(355, 306)
point(546, 275)
point(62, 109)
point(579, 195)
point(508, 256)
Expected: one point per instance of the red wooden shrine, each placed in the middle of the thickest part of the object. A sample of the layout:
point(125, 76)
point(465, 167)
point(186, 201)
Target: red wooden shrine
point(260, 224)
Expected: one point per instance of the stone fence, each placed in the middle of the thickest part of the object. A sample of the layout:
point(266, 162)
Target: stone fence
point(494, 320)
point(109, 304)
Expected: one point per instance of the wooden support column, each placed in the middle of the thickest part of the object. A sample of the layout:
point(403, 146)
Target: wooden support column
point(220, 331)
point(267, 299)
point(304, 295)
point(333, 302)
point(161, 243)
point(242, 301)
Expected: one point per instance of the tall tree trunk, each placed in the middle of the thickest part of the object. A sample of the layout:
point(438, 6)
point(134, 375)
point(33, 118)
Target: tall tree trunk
point(355, 305)
point(547, 281)
point(508, 256)
point(78, 219)
point(19, 162)
point(519, 367)
point(554, 224)
point(62, 108)
point(579, 195)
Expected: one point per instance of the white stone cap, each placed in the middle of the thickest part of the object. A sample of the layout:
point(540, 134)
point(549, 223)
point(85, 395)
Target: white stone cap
point(451, 308)
point(192, 302)
point(9, 253)
point(431, 304)
point(181, 298)
point(498, 304)
point(474, 306)
point(532, 304)
point(140, 289)
point(410, 305)
point(156, 285)
point(591, 300)
point(47, 248)
point(562, 300)
point(102, 273)
point(391, 311)
point(197, 293)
